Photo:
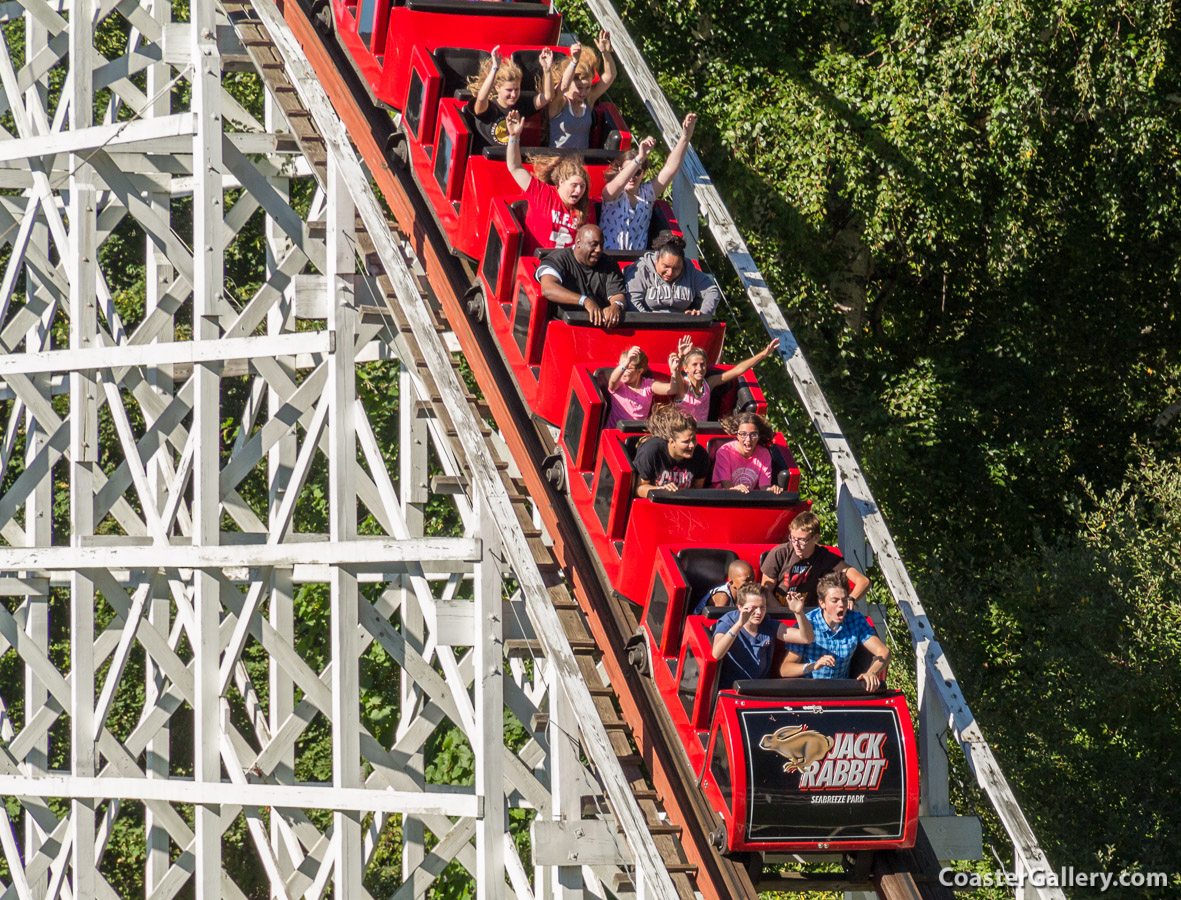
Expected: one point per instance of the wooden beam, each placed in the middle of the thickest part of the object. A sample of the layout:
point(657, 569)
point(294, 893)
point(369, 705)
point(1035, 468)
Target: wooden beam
point(227, 793)
point(370, 553)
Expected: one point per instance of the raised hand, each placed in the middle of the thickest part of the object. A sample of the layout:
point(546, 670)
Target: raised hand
point(645, 148)
point(497, 59)
point(575, 52)
point(769, 349)
point(674, 362)
point(514, 123)
point(603, 42)
point(795, 602)
point(688, 125)
point(546, 58)
point(684, 345)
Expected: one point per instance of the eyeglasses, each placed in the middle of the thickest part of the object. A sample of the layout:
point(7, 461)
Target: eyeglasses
point(747, 435)
point(801, 540)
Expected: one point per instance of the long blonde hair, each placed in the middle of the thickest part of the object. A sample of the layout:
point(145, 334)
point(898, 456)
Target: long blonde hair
point(508, 71)
point(588, 65)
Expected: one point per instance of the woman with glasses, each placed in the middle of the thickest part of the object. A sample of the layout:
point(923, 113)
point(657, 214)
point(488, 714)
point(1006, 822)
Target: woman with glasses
point(628, 199)
point(744, 464)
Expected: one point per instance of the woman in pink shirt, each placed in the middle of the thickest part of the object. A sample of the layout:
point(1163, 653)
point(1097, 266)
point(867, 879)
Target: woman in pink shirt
point(630, 390)
point(694, 396)
point(744, 464)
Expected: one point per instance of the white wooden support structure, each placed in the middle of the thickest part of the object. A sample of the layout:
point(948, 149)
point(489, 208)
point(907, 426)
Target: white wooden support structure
point(210, 562)
point(855, 501)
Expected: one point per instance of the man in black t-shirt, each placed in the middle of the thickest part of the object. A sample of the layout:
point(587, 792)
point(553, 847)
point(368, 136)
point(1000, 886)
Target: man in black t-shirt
point(582, 276)
point(795, 566)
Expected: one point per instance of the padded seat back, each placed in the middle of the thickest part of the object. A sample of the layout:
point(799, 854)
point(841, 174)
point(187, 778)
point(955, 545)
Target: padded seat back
point(632, 444)
point(704, 568)
point(714, 444)
point(457, 65)
point(780, 473)
point(529, 62)
point(731, 397)
point(519, 208)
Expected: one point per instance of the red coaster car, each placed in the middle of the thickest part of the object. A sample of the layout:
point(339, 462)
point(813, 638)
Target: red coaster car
point(803, 764)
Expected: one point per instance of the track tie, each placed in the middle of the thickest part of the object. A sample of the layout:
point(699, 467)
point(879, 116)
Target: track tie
point(658, 828)
point(526, 648)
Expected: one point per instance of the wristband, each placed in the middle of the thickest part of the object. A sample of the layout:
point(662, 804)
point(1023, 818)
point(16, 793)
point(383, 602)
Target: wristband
point(808, 668)
point(513, 140)
point(582, 300)
point(618, 303)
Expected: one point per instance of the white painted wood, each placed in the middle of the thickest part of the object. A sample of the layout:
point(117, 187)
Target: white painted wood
point(488, 736)
point(412, 471)
point(159, 273)
point(383, 554)
point(172, 353)
point(582, 842)
point(175, 42)
point(298, 796)
point(39, 291)
point(484, 472)
point(454, 622)
point(954, 837)
point(83, 139)
point(207, 280)
point(83, 273)
point(342, 487)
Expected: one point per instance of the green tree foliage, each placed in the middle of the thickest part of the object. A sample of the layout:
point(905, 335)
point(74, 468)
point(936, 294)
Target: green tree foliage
point(971, 215)
point(1072, 657)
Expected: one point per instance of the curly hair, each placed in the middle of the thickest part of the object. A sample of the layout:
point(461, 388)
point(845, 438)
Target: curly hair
point(668, 420)
point(766, 433)
point(668, 242)
point(553, 170)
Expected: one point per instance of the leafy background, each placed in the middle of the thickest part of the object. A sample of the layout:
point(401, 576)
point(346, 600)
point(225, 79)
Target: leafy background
point(969, 212)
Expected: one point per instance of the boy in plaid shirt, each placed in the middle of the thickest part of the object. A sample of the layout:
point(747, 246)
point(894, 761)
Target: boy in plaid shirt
point(837, 631)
